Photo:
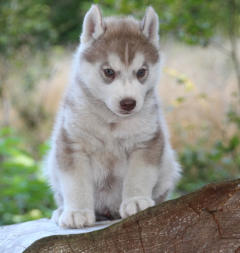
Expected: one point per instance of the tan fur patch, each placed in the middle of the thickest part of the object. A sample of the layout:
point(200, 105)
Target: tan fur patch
point(161, 198)
point(113, 126)
point(64, 150)
point(149, 95)
point(68, 102)
point(111, 161)
point(123, 37)
point(108, 183)
point(154, 149)
point(126, 54)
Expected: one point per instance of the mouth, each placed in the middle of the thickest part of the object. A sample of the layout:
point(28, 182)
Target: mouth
point(123, 113)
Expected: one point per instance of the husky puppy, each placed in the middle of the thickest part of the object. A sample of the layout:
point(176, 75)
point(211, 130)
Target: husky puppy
point(110, 154)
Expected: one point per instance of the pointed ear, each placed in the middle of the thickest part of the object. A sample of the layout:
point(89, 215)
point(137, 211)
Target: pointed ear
point(92, 25)
point(149, 25)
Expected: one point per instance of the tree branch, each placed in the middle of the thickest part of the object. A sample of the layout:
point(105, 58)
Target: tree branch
point(207, 220)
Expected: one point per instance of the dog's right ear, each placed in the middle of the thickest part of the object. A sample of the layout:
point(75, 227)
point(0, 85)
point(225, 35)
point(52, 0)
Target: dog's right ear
point(92, 25)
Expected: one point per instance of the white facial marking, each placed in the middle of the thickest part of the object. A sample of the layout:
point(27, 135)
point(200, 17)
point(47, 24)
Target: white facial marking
point(126, 54)
point(115, 62)
point(137, 62)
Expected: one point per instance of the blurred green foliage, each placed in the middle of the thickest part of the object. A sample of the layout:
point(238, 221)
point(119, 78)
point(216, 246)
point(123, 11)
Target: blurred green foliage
point(213, 164)
point(24, 23)
point(24, 194)
point(40, 23)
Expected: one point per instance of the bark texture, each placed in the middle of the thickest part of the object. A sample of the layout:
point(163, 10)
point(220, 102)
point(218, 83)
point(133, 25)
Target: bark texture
point(204, 221)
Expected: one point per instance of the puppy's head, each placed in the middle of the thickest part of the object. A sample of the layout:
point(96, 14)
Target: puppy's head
point(119, 59)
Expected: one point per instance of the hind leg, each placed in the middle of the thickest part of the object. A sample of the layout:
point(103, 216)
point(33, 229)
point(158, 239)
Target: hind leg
point(57, 213)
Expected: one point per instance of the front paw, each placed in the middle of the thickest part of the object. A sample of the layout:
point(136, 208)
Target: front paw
point(133, 205)
point(76, 218)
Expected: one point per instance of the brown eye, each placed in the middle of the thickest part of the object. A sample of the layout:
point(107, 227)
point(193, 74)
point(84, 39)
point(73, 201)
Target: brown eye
point(109, 73)
point(141, 73)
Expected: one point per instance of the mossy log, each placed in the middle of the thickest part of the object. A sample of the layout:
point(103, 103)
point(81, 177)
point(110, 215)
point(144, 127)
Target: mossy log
point(207, 220)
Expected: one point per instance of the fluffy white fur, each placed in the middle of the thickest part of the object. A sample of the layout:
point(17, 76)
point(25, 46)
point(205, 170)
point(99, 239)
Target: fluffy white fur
point(103, 141)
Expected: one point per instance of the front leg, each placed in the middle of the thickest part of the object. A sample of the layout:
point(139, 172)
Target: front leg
point(77, 191)
point(141, 177)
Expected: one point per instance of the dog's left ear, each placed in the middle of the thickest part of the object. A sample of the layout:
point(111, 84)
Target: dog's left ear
point(150, 26)
point(92, 25)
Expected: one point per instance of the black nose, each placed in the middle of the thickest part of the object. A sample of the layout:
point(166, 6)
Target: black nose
point(128, 104)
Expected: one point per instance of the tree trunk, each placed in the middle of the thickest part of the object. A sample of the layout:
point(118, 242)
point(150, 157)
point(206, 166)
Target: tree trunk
point(207, 220)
